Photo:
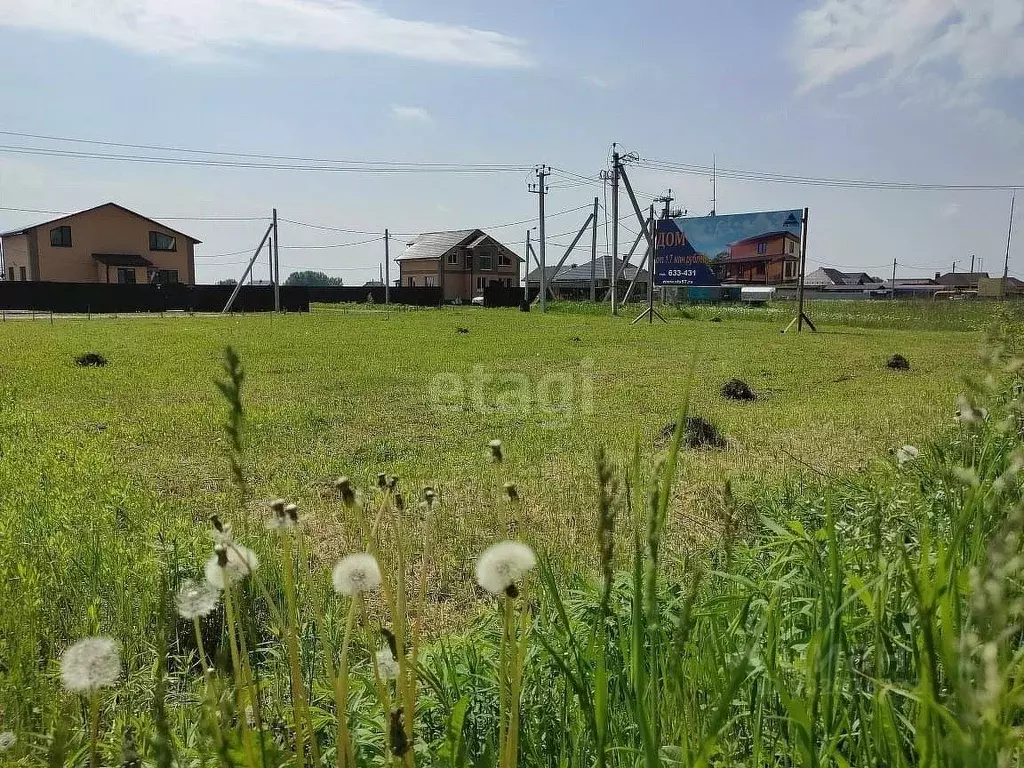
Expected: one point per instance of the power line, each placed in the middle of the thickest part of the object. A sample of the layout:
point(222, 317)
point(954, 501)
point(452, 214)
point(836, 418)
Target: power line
point(333, 245)
point(165, 218)
point(780, 178)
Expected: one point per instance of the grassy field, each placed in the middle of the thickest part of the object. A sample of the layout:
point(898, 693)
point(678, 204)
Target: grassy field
point(108, 475)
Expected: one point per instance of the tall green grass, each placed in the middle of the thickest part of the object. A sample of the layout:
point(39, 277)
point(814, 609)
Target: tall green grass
point(866, 620)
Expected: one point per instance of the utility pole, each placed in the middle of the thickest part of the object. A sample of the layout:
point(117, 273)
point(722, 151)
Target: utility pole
point(277, 265)
point(893, 293)
point(270, 262)
point(615, 229)
point(541, 189)
point(972, 263)
point(593, 256)
point(1009, 234)
point(666, 200)
point(954, 267)
point(714, 184)
point(387, 267)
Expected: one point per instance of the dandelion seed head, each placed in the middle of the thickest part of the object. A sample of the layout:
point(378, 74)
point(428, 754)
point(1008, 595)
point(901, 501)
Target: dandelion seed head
point(966, 413)
point(346, 490)
point(511, 492)
point(90, 664)
point(7, 740)
point(195, 599)
point(501, 565)
point(387, 664)
point(907, 453)
point(229, 565)
point(355, 574)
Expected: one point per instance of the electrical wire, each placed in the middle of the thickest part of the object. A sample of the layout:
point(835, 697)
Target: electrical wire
point(669, 166)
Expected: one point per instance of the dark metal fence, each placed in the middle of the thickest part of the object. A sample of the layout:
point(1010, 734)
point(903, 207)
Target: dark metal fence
point(107, 298)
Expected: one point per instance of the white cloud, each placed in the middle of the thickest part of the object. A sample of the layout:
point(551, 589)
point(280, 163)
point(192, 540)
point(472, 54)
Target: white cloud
point(411, 114)
point(964, 43)
point(215, 28)
point(597, 82)
point(950, 209)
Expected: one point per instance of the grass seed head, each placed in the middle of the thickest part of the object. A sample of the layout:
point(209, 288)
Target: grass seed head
point(502, 565)
point(355, 574)
point(396, 735)
point(196, 599)
point(7, 740)
point(90, 664)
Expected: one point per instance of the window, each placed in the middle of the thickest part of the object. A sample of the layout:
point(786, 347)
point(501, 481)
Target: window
point(165, 276)
point(60, 237)
point(479, 283)
point(23, 275)
point(453, 258)
point(412, 282)
point(792, 247)
point(486, 261)
point(504, 260)
point(760, 269)
point(12, 274)
point(762, 247)
point(158, 241)
point(126, 275)
point(430, 281)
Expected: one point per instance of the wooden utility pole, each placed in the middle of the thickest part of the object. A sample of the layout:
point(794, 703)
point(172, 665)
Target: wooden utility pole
point(593, 255)
point(277, 266)
point(892, 294)
point(972, 263)
point(615, 229)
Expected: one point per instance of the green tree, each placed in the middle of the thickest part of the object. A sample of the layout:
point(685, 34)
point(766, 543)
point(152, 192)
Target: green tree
point(312, 277)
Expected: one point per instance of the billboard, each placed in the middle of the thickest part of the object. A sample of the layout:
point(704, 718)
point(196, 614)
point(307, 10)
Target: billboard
point(696, 251)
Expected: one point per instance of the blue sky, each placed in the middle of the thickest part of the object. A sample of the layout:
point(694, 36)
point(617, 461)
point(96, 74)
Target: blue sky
point(906, 90)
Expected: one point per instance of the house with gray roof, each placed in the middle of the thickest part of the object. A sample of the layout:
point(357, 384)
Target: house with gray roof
point(572, 281)
point(461, 261)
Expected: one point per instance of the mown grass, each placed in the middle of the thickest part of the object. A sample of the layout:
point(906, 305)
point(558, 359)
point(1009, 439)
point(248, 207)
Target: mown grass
point(97, 521)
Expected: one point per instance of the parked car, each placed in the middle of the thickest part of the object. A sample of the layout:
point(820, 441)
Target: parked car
point(478, 301)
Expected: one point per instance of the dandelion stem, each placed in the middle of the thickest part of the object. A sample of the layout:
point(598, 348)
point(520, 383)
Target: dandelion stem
point(345, 746)
point(240, 688)
point(199, 646)
point(300, 707)
point(94, 728)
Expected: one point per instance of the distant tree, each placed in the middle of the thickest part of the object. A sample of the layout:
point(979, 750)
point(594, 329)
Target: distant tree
point(312, 278)
point(227, 281)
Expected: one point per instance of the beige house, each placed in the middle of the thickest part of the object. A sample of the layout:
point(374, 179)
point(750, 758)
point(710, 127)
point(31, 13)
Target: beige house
point(462, 262)
point(105, 244)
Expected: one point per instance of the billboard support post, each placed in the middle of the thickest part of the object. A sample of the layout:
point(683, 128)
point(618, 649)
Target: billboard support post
point(650, 312)
point(801, 317)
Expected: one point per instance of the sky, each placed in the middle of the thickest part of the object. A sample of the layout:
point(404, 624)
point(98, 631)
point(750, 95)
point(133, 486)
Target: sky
point(921, 91)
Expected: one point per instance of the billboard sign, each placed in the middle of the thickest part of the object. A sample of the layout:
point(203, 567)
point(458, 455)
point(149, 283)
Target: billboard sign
point(687, 250)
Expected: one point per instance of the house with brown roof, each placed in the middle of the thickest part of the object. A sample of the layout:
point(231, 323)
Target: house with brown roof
point(105, 244)
point(772, 257)
point(462, 262)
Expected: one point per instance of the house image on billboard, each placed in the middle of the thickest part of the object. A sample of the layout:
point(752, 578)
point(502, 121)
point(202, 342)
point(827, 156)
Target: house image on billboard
point(769, 258)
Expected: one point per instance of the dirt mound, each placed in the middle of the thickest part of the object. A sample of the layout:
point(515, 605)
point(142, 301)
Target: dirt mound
point(737, 389)
point(699, 433)
point(91, 360)
point(898, 363)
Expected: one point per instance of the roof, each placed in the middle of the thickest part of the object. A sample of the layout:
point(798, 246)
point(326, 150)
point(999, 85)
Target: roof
point(434, 245)
point(960, 279)
point(122, 260)
point(23, 230)
point(834, 275)
point(766, 236)
point(848, 278)
point(581, 272)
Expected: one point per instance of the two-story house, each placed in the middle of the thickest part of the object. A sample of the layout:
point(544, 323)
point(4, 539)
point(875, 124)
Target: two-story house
point(773, 257)
point(462, 262)
point(105, 244)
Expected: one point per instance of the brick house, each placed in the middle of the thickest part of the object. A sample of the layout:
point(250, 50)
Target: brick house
point(462, 262)
point(773, 257)
point(105, 244)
